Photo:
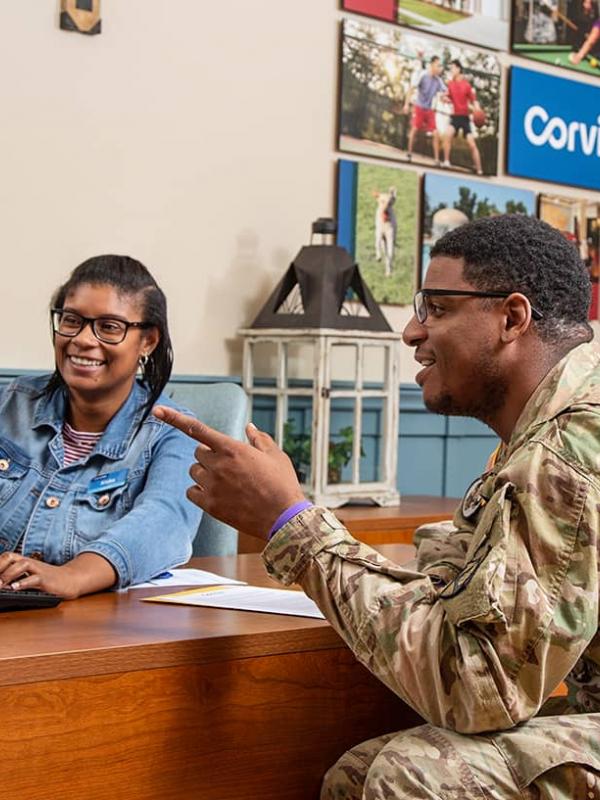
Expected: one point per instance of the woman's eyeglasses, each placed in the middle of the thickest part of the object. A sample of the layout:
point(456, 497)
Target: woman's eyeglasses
point(106, 329)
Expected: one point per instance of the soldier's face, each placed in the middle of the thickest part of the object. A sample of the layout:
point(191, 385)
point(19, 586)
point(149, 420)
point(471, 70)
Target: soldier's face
point(458, 347)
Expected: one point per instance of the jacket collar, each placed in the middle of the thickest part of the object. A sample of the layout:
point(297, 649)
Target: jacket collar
point(116, 439)
point(574, 381)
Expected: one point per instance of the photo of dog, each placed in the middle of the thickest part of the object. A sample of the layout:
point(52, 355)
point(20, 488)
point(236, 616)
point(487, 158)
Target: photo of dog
point(378, 224)
point(385, 228)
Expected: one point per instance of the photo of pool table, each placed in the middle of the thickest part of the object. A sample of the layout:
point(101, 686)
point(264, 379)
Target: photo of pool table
point(555, 54)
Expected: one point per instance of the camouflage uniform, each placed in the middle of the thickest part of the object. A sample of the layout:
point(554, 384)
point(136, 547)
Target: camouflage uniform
point(497, 610)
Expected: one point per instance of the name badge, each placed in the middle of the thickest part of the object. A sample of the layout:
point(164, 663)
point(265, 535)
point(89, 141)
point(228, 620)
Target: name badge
point(108, 481)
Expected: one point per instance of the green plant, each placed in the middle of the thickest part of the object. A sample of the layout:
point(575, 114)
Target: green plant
point(340, 454)
point(298, 448)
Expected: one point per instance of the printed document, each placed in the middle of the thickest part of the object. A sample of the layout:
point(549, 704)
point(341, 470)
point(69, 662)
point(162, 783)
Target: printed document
point(245, 598)
point(187, 577)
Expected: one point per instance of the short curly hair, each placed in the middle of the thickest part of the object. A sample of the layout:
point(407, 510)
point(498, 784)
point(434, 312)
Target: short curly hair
point(517, 253)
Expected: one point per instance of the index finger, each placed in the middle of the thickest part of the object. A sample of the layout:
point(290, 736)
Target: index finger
point(191, 426)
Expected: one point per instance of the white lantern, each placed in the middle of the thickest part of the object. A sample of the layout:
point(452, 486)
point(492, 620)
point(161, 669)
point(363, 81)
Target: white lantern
point(321, 365)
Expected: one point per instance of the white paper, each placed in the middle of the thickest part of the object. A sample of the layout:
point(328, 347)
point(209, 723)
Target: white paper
point(188, 577)
point(246, 598)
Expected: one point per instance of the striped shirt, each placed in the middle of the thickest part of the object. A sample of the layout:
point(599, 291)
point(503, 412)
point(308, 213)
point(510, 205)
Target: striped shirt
point(78, 444)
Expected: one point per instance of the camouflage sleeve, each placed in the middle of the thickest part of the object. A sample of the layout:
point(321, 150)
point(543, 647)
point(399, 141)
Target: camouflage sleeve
point(441, 549)
point(485, 650)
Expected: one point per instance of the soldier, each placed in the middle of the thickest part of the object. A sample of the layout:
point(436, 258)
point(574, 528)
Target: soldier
point(502, 605)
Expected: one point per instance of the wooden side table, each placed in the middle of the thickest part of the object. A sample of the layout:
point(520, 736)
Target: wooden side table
point(395, 524)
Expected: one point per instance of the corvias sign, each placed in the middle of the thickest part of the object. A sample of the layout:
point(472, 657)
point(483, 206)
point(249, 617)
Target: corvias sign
point(553, 129)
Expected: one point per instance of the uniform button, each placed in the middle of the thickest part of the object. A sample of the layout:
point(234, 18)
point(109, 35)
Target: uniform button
point(4, 464)
point(52, 502)
point(104, 500)
point(37, 556)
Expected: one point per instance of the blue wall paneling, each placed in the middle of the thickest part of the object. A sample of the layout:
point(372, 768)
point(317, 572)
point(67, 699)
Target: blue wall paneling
point(436, 455)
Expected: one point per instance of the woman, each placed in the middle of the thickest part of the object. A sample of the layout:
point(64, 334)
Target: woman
point(583, 39)
point(92, 486)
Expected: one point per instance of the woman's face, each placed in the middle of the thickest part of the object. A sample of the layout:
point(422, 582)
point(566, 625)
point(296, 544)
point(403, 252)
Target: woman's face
point(95, 369)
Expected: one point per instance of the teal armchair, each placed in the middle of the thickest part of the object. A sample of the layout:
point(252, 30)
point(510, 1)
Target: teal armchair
point(223, 406)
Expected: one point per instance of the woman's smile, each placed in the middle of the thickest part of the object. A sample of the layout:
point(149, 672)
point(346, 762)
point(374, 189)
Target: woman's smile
point(92, 367)
point(85, 363)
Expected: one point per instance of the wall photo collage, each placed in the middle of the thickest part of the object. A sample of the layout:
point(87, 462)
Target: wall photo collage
point(421, 84)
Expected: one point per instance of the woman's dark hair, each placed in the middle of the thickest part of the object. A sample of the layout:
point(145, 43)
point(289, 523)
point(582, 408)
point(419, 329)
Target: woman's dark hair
point(131, 278)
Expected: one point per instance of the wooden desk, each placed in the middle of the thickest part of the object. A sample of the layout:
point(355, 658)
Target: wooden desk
point(110, 698)
point(374, 525)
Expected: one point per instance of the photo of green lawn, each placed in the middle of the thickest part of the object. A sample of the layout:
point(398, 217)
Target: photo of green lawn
point(431, 11)
point(374, 182)
point(484, 24)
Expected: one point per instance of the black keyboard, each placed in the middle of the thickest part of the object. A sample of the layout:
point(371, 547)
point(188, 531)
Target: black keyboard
point(11, 600)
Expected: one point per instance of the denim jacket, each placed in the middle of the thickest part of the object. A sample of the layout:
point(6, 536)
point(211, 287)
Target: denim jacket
point(137, 517)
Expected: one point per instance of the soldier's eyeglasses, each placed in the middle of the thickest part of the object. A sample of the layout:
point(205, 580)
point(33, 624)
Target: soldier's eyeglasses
point(106, 329)
point(420, 304)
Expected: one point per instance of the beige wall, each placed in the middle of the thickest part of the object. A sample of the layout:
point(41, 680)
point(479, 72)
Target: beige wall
point(196, 136)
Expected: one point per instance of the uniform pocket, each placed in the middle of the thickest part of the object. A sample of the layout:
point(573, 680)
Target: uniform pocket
point(14, 465)
point(479, 591)
point(544, 743)
point(93, 513)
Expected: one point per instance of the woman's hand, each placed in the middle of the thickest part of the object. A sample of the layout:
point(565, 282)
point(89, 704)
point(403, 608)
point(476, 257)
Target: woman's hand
point(86, 573)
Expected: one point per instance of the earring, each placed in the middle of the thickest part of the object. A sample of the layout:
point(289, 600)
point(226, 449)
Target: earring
point(143, 360)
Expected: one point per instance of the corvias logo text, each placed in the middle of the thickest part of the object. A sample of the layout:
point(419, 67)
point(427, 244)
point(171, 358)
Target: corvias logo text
point(553, 129)
point(542, 129)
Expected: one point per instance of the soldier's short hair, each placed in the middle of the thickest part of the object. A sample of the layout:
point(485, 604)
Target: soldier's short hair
point(518, 253)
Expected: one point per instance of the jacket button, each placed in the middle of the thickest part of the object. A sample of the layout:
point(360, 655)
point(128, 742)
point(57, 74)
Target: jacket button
point(52, 502)
point(104, 500)
point(37, 556)
point(4, 464)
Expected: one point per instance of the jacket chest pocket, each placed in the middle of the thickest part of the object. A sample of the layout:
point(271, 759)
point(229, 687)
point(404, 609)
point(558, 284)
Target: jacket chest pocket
point(484, 590)
point(13, 468)
point(93, 513)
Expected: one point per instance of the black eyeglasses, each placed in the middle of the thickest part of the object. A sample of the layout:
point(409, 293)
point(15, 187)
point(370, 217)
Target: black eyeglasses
point(106, 329)
point(420, 300)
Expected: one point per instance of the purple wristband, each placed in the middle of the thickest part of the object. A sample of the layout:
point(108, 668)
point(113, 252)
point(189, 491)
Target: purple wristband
point(287, 515)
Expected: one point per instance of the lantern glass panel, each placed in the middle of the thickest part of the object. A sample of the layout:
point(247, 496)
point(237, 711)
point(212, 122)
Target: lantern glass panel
point(264, 412)
point(264, 363)
point(375, 362)
point(297, 434)
point(372, 445)
point(300, 359)
point(340, 457)
point(342, 359)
